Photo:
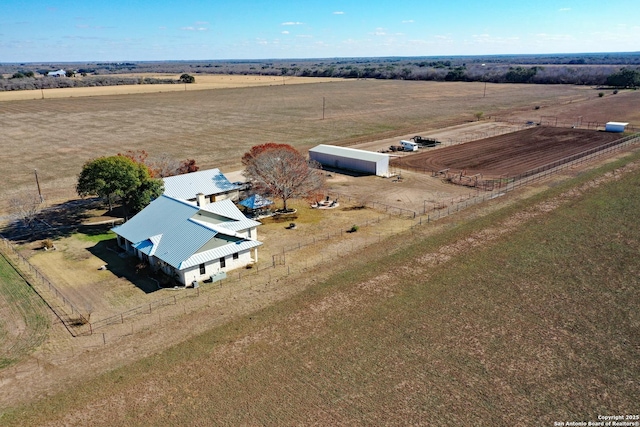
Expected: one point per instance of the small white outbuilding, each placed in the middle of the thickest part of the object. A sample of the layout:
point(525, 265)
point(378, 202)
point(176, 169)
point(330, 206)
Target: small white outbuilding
point(615, 126)
point(409, 145)
point(351, 159)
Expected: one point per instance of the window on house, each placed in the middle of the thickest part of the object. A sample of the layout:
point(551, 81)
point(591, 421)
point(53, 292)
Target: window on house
point(223, 262)
point(202, 269)
point(235, 256)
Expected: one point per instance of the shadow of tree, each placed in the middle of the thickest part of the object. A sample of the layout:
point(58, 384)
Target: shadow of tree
point(123, 265)
point(60, 220)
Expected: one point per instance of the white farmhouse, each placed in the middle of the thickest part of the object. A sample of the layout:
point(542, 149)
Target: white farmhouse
point(188, 241)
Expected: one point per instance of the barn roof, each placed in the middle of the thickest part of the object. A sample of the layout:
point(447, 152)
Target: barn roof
point(351, 153)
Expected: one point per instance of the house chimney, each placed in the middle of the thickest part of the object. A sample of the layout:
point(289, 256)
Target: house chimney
point(201, 200)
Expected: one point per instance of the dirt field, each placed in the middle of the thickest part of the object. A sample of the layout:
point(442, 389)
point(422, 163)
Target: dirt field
point(511, 154)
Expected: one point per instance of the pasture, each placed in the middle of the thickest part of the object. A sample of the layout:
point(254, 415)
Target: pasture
point(523, 316)
point(376, 326)
point(215, 127)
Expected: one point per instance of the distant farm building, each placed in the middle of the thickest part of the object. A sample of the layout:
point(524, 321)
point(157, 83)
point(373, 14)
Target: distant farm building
point(615, 126)
point(351, 159)
point(59, 73)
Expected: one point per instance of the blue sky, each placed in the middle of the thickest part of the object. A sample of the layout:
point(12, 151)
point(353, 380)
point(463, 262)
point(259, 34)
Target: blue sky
point(119, 30)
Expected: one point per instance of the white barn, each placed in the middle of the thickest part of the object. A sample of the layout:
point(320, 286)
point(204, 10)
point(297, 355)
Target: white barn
point(615, 126)
point(351, 159)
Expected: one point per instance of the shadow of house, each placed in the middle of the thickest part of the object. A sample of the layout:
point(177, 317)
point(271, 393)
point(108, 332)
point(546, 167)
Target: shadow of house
point(124, 266)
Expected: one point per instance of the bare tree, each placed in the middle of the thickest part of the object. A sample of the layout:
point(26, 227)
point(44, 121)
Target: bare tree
point(25, 209)
point(279, 170)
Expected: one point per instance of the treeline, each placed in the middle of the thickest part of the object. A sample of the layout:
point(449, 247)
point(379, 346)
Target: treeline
point(605, 69)
point(32, 82)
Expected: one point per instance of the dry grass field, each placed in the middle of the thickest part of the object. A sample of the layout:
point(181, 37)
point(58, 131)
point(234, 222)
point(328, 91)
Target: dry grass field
point(490, 317)
point(215, 127)
point(203, 82)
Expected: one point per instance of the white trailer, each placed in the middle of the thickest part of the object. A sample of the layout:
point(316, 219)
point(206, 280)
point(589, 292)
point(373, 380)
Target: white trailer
point(615, 126)
point(409, 145)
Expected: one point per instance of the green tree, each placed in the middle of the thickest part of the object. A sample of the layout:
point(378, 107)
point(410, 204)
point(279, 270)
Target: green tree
point(521, 74)
point(119, 178)
point(624, 78)
point(187, 78)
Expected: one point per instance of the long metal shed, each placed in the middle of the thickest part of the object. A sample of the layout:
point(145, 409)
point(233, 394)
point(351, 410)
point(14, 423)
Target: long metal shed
point(351, 159)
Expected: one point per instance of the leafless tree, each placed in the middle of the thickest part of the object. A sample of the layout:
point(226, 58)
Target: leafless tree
point(279, 170)
point(25, 209)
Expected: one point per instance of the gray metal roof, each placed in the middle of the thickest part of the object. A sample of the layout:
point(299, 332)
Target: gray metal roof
point(207, 182)
point(170, 230)
point(351, 153)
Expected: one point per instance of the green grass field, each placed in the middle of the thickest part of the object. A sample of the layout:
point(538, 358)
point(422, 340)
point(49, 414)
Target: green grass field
point(24, 323)
point(472, 326)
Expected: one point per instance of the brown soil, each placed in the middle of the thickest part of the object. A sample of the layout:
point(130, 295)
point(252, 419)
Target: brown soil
point(509, 155)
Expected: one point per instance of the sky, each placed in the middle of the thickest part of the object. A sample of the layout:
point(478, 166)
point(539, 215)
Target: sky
point(148, 30)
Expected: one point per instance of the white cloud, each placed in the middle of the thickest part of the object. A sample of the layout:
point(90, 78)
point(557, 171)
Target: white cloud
point(408, 21)
point(194, 29)
point(338, 13)
point(292, 23)
point(564, 9)
point(379, 32)
point(285, 32)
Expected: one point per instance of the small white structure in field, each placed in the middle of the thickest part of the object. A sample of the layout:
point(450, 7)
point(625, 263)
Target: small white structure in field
point(615, 126)
point(409, 145)
point(59, 73)
point(351, 159)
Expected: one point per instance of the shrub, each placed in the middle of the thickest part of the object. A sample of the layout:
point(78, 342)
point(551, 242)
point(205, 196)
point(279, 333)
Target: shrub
point(600, 94)
point(354, 228)
point(47, 244)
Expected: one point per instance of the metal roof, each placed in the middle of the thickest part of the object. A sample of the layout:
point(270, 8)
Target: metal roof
point(207, 182)
point(351, 153)
point(170, 229)
point(226, 208)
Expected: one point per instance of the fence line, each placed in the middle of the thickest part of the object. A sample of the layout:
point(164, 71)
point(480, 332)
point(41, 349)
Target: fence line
point(74, 322)
point(537, 174)
point(80, 325)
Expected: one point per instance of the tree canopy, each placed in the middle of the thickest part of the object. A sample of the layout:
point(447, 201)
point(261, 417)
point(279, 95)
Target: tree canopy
point(279, 170)
point(187, 78)
point(161, 166)
point(626, 78)
point(119, 178)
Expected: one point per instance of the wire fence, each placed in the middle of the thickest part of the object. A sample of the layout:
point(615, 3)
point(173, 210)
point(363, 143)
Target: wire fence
point(68, 313)
point(538, 174)
point(476, 181)
point(79, 325)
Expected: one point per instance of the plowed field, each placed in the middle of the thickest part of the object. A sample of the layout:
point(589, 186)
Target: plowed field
point(510, 154)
